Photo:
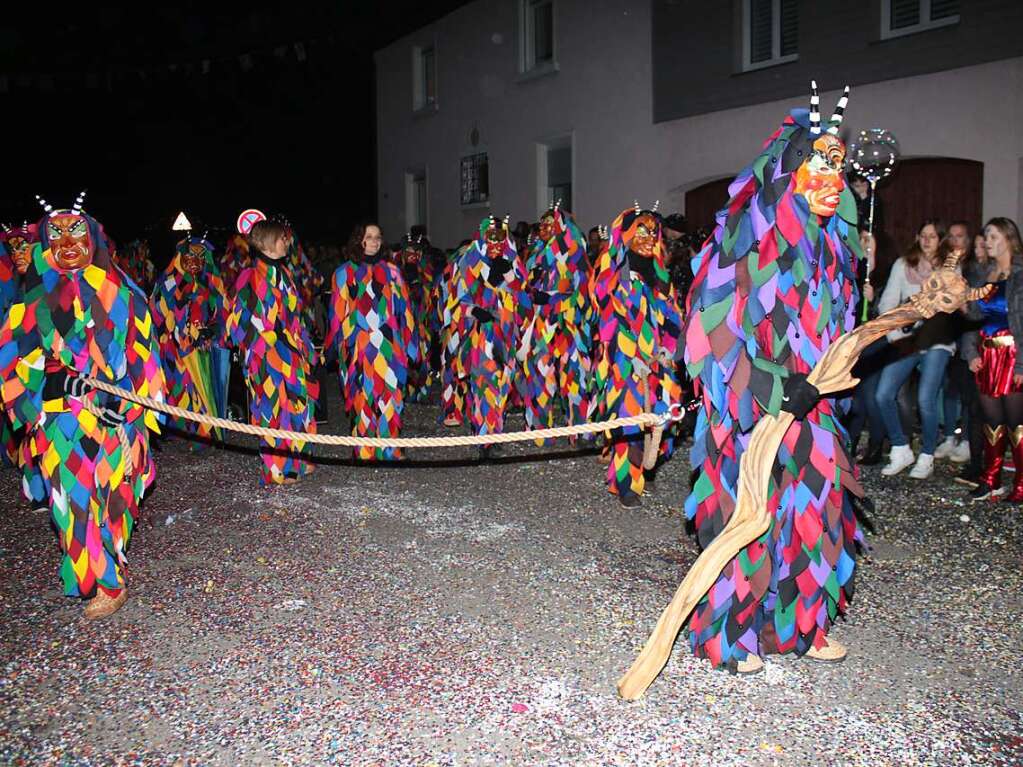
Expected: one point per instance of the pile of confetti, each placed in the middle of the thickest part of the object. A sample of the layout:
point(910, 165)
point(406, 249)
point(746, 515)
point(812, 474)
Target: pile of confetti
point(446, 612)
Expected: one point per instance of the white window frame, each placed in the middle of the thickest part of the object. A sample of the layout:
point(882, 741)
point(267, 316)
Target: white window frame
point(747, 40)
point(419, 101)
point(527, 48)
point(543, 146)
point(411, 175)
point(925, 21)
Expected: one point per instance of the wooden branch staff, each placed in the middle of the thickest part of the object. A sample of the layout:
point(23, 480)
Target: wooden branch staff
point(944, 291)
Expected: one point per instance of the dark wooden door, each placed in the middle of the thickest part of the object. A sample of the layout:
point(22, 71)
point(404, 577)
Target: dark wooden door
point(704, 201)
point(945, 188)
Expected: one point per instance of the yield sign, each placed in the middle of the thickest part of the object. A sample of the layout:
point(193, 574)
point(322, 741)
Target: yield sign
point(181, 223)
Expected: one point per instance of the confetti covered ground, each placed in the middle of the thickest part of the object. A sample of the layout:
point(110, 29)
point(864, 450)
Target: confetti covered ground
point(442, 612)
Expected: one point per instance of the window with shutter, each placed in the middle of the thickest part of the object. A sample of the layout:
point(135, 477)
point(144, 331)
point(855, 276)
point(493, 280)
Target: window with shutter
point(770, 33)
point(907, 17)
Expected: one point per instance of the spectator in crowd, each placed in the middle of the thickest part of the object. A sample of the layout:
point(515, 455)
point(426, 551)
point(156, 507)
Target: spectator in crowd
point(861, 192)
point(864, 409)
point(520, 236)
point(992, 357)
point(960, 386)
point(926, 346)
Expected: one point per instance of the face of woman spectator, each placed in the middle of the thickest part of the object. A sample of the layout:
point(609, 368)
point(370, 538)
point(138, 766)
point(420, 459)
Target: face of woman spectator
point(372, 240)
point(980, 247)
point(958, 237)
point(928, 240)
point(997, 245)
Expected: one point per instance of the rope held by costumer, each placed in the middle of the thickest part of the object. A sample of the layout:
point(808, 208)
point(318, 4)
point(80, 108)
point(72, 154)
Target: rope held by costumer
point(675, 413)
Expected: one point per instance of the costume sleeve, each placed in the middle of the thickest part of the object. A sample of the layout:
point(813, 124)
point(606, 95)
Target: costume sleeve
point(245, 321)
point(22, 371)
point(144, 374)
point(339, 312)
point(406, 319)
point(736, 331)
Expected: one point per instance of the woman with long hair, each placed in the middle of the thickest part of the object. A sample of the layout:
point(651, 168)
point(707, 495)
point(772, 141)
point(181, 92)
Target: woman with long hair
point(992, 356)
point(373, 335)
point(927, 346)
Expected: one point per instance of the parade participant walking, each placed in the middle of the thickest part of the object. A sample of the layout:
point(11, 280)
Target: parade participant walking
point(555, 348)
point(488, 287)
point(640, 320)
point(266, 326)
point(79, 317)
point(417, 274)
point(134, 261)
point(773, 287)
point(189, 308)
point(236, 259)
point(454, 378)
point(373, 335)
point(15, 258)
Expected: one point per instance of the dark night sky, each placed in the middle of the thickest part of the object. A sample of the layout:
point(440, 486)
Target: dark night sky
point(288, 136)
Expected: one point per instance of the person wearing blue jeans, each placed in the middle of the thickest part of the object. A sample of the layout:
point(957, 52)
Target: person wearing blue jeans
point(931, 364)
point(927, 346)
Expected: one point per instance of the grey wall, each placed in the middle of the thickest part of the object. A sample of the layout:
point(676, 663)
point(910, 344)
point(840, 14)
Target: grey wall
point(696, 45)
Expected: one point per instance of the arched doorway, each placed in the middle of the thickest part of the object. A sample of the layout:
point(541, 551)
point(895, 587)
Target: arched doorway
point(946, 188)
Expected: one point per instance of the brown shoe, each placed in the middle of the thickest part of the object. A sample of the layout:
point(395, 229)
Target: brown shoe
point(752, 665)
point(451, 421)
point(832, 652)
point(101, 605)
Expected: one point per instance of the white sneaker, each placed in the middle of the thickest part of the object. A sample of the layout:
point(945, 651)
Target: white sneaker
point(961, 454)
point(900, 457)
point(924, 467)
point(944, 450)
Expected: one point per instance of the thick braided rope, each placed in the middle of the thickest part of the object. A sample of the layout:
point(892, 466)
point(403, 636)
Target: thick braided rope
point(643, 419)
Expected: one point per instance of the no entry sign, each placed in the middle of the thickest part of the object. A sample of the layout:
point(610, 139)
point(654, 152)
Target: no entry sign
point(248, 218)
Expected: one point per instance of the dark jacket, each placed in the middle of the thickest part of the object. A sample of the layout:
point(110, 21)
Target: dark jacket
point(1014, 302)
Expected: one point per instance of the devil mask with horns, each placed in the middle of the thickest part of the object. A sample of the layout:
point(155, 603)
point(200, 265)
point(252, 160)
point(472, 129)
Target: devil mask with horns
point(69, 235)
point(19, 241)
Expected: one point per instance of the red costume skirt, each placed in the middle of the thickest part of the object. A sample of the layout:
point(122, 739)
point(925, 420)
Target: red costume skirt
point(997, 361)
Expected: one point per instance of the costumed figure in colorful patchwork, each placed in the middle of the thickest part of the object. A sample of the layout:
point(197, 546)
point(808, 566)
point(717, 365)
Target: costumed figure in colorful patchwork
point(307, 278)
point(134, 261)
point(373, 335)
point(236, 259)
point(640, 321)
point(416, 271)
point(189, 308)
point(265, 324)
point(488, 288)
point(555, 345)
point(79, 316)
point(454, 378)
point(16, 257)
point(774, 286)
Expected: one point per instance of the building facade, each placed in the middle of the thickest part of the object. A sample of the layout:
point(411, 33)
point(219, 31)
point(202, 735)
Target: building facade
point(503, 105)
